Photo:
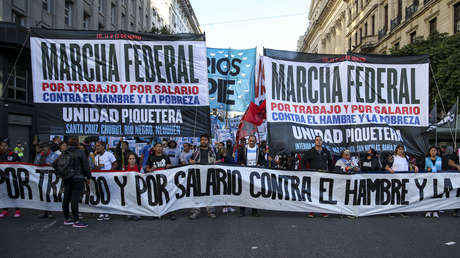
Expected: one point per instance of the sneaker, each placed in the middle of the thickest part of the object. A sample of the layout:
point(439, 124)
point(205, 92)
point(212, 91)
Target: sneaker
point(49, 215)
point(311, 215)
point(107, 217)
point(80, 216)
point(428, 215)
point(100, 217)
point(404, 215)
point(4, 214)
point(212, 215)
point(17, 214)
point(79, 224)
point(172, 217)
point(352, 217)
point(230, 209)
point(324, 215)
point(435, 215)
point(392, 215)
point(224, 210)
point(193, 216)
point(68, 222)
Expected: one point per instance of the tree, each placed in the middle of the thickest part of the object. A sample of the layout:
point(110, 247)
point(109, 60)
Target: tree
point(444, 52)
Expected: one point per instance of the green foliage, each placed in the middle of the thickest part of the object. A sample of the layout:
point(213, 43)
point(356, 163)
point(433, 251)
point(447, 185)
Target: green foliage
point(164, 30)
point(444, 52)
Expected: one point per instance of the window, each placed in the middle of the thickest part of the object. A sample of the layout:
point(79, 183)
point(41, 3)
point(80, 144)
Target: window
point(356, 38)
point(373, 25)
point(365, 29)
point(397, 45)
point(100, 7)
point(86, 19)
point(433, 25)
point(412, 36)
point(360, 34)
point(113, 14)
point(123, 21)
point(386, 16)
point(18, 18)
point(46, 5)
point(17, 85)
point(457, 18)
point(356, 7)
point(399, 8)
point(68, 13)
point(349, 44)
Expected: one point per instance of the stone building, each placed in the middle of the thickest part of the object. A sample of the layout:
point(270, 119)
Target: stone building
point(375, 26)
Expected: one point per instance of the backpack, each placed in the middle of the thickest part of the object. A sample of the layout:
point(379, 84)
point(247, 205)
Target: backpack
point(63, 166)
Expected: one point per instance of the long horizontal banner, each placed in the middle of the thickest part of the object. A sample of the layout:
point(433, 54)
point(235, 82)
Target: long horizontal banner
point(309, 93)
point(158, 193)
point(119, 83)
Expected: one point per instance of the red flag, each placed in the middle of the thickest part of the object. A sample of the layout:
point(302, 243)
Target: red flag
point(253, 117)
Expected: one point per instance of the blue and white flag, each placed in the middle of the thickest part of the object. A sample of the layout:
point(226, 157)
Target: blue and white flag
point(231, 78)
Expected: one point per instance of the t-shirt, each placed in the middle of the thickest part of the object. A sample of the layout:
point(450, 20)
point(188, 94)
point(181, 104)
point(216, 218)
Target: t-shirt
point(251, 156)
point(173, 155)
point(185, 156)
point(400, 164)
point(10, 157)
point(452, 157)
point(105, 159)
point(158, 162)
point(146, 152)
point(204, 156)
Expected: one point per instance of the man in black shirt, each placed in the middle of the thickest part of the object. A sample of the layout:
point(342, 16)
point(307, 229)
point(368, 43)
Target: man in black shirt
point(318, 157)
point(7, 155)
point(203, 156)
point(157, 160)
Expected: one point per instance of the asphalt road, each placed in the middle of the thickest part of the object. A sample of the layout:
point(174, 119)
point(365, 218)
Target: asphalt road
point(274, 234)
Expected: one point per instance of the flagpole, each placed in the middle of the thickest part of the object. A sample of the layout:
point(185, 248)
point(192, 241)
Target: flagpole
point(436, 127)
point(456, 127)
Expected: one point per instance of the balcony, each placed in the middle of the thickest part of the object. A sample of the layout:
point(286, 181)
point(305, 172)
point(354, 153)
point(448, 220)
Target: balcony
point(368, 43)
point(395, 22)
point(382, 33)
point(411, 9)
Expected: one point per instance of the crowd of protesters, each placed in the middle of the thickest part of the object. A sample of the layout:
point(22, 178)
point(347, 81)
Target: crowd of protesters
point(92, 154)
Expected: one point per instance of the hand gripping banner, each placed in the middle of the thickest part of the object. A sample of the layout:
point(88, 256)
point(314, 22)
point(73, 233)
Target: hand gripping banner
point(158, 193)
point(119, 83)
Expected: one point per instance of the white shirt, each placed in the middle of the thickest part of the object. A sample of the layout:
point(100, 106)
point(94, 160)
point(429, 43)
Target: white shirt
point(173, 155)
point(251, 157)
point(400, 163)
point(105, 159)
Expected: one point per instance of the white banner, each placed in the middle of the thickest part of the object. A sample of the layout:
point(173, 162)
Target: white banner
point(157, 193)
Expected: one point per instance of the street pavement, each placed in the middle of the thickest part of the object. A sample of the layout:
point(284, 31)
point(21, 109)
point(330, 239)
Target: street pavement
point(274, 234)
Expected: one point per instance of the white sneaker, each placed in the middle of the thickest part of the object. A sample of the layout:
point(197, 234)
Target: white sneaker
point(100, 217)
point(230, 209)
point(435, 215)
point(224, 210)
point(428, 214)
point(106, 217)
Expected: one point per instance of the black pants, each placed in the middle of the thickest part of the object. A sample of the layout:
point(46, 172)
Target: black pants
point(73, 188)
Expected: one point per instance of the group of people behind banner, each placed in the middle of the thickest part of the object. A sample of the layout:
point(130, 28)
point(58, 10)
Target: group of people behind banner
point(162, 155)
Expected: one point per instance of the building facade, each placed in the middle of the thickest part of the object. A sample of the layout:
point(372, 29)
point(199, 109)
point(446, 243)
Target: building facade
point(375, 26)
point(17, 111)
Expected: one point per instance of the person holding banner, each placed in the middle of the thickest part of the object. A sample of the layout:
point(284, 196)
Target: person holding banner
point(400, 162)
point(370, 162)
point(132, 163)
point(250, 156)
point(8, 156)
point(433, 163)
point(318, 158)
point(159, 161)
point(186, 154)
point(74, 186)
point(104, 160)
point(45, 157)
point(345, 164)
point(204, 155)
point(173, 152)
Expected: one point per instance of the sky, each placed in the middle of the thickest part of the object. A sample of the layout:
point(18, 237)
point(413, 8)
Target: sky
point(241, 24)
